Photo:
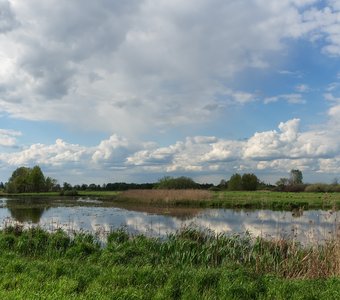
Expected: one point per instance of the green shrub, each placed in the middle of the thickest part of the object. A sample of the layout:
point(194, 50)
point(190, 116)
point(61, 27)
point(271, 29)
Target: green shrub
point(70, 193)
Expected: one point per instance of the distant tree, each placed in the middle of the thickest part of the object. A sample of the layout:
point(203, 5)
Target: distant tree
point(37, 180)
point(249, 182)
point(295, 177)
point(19, 182)
point(206, 186)
point(51, 184)
point(94, 187)
point(235, 182)
point(282, 184)
point(67, 186)
point(24, 180)
point(84, 187)
point(223, 185)
point(182, 182)
point(265, 186)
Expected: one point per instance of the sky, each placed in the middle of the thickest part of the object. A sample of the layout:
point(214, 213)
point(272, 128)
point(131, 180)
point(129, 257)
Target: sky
point(109, 91)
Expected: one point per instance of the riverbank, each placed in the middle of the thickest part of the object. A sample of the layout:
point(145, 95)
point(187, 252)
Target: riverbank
point(188, 265)
point(208, 199)
point(228, 199)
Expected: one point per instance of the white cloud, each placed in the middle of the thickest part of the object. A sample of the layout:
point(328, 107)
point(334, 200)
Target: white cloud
point(60, 153)
point(302, 88)
point(108, 149)
point(140, 64)
point(8, 137)
point(332, 86)
point(290, 98)
point(130, 67)
point(324, 24)
point(316, 150)
point(330, 97)
point(272, 144)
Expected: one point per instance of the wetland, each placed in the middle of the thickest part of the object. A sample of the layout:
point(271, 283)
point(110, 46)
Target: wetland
point(99, 216)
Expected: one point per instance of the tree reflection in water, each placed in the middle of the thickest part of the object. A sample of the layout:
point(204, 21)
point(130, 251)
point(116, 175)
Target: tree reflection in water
point(27, 210)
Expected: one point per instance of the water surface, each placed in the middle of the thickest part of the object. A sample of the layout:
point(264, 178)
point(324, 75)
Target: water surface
point(94, 216)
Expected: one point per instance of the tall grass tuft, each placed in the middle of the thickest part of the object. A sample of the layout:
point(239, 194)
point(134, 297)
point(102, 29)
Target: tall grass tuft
point(189, 247)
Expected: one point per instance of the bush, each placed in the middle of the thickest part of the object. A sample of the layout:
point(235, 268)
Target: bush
point(249, 182)
point(322, 188)
point(69, 193)
point(295, 188)
point(179, 183)
point(317, 188)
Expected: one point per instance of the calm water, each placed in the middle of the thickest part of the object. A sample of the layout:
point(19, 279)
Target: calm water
point(101, 217)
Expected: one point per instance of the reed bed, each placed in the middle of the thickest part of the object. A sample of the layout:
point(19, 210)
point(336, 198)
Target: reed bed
point(166, 196)
point(187, 247)
point(190, 264)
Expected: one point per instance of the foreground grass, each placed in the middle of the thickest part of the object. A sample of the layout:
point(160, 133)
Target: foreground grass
point(189, 265)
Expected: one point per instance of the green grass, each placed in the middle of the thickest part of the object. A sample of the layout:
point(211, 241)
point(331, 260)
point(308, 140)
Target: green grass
point(275, 200)
point(227, 199)
point(98, 193)
point(191, 264)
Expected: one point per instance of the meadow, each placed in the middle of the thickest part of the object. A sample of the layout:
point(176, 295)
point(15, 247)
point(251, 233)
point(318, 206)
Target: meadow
point(190, 264)
point(228, 199)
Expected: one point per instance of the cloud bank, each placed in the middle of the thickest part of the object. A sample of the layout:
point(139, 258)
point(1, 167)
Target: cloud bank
point(131, 69)
point(278, 150)
point(134, 66)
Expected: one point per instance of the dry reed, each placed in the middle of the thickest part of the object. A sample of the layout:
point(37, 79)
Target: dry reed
point(166, 196)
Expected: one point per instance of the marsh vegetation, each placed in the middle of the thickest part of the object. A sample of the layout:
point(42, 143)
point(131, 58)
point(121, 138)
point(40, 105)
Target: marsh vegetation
point(189, 264)
point(174, 239)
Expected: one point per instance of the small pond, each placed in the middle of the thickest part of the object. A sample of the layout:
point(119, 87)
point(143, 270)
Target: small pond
point(99, 217)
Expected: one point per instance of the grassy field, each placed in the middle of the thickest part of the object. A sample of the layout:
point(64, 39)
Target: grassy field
point(35, 264)
point(227, 199)
point(276, 200)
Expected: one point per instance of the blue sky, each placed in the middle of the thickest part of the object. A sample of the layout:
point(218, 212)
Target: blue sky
point(104, 91)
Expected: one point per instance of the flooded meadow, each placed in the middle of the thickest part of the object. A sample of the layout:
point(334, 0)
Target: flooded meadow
point(101, 217)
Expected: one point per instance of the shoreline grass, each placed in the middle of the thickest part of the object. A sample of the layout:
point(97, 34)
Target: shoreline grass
point(190, 264)
point(227, 199)
point(209, 199)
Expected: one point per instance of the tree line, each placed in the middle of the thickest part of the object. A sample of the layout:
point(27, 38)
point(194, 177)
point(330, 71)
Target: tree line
point(33, 180)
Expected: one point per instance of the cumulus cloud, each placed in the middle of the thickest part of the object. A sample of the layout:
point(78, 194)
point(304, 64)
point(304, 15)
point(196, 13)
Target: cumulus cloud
point(140, 64)
point(274, 150)
point(111, 149)
point(129, 67)
point(277, 150)
point(60, 153)
point(323, 24)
